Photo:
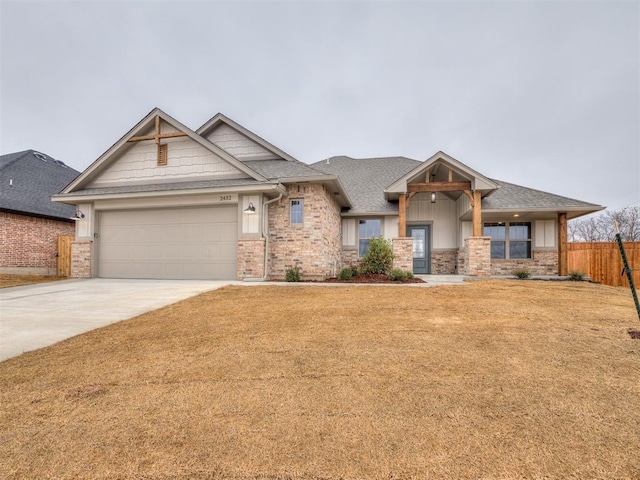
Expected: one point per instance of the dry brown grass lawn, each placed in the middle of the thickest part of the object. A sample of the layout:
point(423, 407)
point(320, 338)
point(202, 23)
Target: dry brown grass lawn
point(495, 379)
point(9, 280)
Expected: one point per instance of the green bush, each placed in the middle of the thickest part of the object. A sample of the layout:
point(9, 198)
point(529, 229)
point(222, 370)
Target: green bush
point(293, 274)
point(576, 276)
point(409, 274)
point(522, 273)
point(397, 274)
point(347, 273)
point(379, 257)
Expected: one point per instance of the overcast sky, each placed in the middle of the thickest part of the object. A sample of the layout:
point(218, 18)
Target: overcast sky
point(542, 94)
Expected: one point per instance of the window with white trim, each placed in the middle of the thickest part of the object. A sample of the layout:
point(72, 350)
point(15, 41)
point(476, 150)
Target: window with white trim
point(367, 229)
point(509, 240)
point(296, 211)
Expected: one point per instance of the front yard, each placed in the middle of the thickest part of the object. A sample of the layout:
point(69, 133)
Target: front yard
point(496, 379)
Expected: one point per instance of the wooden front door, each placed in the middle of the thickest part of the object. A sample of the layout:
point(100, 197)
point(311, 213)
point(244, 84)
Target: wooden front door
point(421, 235)
point(64, 256)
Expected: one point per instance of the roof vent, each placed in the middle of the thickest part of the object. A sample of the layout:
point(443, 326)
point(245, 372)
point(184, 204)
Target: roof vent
point(61, 163)
point(41, 156)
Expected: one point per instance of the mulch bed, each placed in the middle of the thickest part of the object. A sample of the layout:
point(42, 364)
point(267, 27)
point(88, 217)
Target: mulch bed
point(374, 278)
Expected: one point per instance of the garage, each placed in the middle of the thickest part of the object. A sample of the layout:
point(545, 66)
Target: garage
point(179, 243)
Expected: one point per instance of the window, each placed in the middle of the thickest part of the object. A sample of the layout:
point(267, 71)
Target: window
point(512, 238)
point(296, 211)
point(519, 240)
point(367, 229)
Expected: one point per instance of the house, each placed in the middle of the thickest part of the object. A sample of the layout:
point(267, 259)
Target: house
point(30, 223)
point(221, 202)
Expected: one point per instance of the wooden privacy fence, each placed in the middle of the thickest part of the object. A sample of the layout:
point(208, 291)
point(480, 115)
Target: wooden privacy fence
point(64, 256)
point(602, 261)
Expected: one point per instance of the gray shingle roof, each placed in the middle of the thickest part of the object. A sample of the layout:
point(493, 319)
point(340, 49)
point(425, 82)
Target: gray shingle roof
point(27, 181)
point(282, 169)
point(366, 178)
point(515, 197)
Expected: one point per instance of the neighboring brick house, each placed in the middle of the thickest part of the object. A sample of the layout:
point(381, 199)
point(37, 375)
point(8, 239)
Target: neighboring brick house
point(30, 223)
point(220, 202)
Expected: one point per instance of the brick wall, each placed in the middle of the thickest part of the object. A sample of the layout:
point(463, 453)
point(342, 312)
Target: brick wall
point(314, 245)
point(544, 262)
point(477, 259)
point(30, 244)
point(444, 262)
point(81, 259)
point(403, 253)
point(250, 258)
point(349, 258)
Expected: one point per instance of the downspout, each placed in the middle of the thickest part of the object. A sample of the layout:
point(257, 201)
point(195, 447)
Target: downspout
point(265, 228)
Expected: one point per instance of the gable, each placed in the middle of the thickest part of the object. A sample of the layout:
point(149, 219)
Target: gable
point(441, 168)
point(186, 160)
point(135, 158)
point(238, 145)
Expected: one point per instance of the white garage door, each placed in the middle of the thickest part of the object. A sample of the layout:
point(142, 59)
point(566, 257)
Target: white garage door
point(183, 243)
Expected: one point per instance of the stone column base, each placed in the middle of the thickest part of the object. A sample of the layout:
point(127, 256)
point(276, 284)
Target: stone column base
point(403, 253)
point(477, 256)
point(250, 263)
point(81, 259)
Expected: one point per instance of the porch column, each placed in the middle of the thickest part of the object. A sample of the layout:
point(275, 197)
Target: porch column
point(477, 214)
point(402, 215)
point(562, 244)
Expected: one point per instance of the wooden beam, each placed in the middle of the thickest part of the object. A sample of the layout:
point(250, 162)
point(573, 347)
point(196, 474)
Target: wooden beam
point(402, 215)
point(477, 214)
point(469, 195)
point(154, 136)
point(562, 244)
point(439, 186)
point(408, 198)
point(450, 176)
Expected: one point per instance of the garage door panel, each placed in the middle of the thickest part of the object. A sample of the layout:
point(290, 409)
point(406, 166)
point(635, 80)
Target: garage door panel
point(190, 243)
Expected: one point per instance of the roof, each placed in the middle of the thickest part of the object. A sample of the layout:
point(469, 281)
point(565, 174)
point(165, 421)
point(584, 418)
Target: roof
point(366, 178)
point(28, 179)
point(510, 196)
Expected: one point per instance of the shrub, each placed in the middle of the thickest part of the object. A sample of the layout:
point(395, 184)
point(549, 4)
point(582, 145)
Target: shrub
point(397, 274)
point(522, 273)
point(409, 274)
point(293, 274)
point(576, 276)
point(347, 273)
point(379, 257)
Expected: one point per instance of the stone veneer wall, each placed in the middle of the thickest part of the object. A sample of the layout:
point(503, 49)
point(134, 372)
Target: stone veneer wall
point(350, 258)
point(403, 253)
point(461, 265)
point(444, 262)
point(544, 262)
point(477, 259)
point(250, 258)
point(315, 245)
point(30, 244)
point(81, 259)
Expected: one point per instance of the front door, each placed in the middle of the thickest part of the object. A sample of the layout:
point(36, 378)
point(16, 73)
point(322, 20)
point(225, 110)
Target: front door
point(421, 248)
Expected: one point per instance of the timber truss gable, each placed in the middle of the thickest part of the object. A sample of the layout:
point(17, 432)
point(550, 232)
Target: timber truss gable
point(160, 129)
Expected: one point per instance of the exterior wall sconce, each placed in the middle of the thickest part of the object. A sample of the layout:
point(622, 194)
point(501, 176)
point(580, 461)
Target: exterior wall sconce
point(250, 210)
point(433, 197)
point(78, 215)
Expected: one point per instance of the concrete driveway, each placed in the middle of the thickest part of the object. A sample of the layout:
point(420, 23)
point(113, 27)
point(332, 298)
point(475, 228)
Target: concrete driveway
point(35, 316)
